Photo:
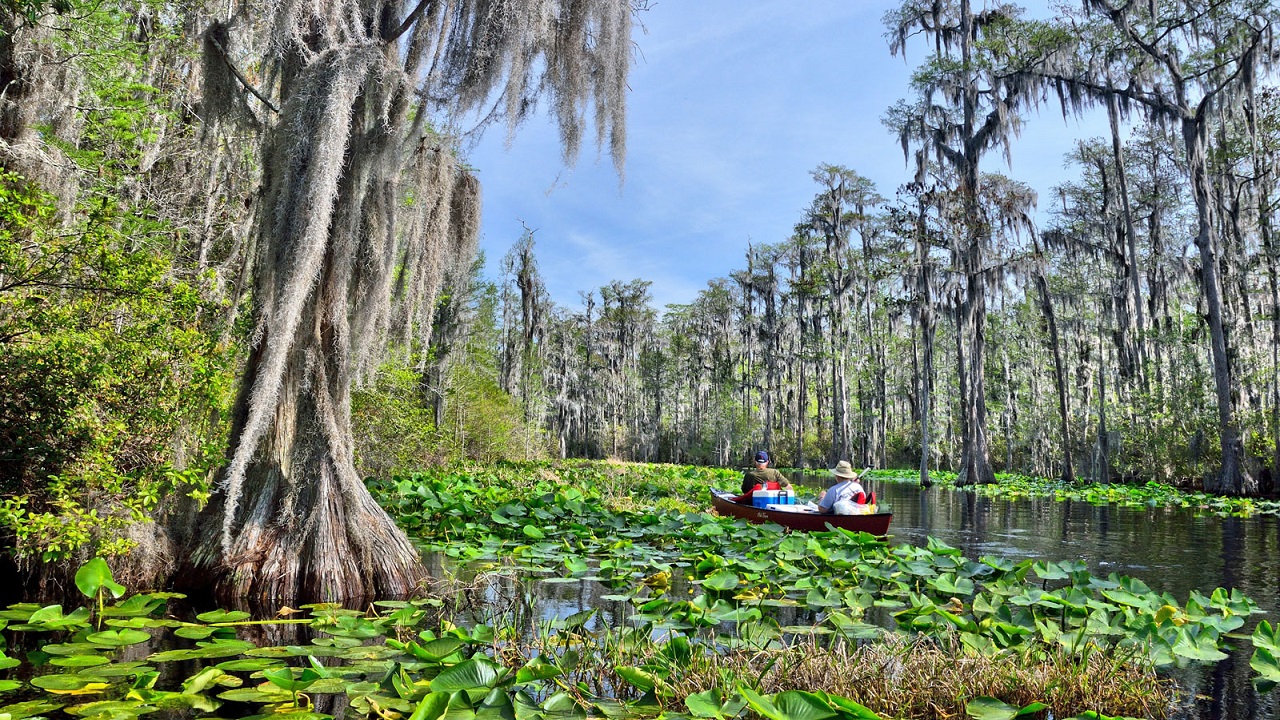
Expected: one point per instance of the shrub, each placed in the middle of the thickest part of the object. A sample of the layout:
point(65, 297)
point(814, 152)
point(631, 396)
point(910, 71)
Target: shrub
point(108, 363)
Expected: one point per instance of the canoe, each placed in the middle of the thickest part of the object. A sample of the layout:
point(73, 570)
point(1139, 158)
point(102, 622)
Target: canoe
point(875, 523)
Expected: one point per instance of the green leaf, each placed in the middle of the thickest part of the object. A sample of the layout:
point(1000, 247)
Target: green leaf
point(638, 678)
point(285, 679)
point(801, 705)
point(537, 669)
point(852, 710)
point(989, 708)
point(221, 648)
point(496, 705)
point(473, 674)
point(704, 704)
point(437, 650)
point(21, 710)
point(118, 638)
point(124, 669)
point(223, 616)
point(264, 693)
point(70, 684)
point(194, 632)
point(248, 664)
point(432, 707)
point(563, 704)
point(1266, 637)
point(761, 704)
point(577, 620)
point(113, 709)
point(137, 605)
point(96, 575)
point(79, 661)
point(1201, 648)
point(722, 580)
point(1266, 664)
point(1048, 571)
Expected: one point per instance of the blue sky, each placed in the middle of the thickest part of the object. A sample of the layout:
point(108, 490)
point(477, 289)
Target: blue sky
point(732, 104)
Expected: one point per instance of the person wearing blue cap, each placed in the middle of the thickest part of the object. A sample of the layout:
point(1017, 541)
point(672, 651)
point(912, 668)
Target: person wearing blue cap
point(763, 476)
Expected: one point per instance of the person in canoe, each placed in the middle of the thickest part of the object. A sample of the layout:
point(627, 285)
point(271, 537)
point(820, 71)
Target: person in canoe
point(761, 477)
point(845, 497)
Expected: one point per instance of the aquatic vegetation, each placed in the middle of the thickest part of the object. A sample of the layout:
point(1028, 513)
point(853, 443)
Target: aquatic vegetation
point(408, 658)
point(544, 519)
point(401, 659)
point(710, 618)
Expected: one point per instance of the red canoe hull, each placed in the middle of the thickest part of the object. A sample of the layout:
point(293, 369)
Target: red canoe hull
point(877, 523)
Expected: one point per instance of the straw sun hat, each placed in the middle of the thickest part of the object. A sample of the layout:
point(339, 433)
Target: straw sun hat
point(844, 470)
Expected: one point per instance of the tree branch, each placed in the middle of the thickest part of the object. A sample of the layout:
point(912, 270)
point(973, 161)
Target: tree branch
point(1240, 66)
point(408, 21)
point(243, 81)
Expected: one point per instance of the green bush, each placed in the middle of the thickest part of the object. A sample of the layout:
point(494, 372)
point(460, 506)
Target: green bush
point(394, 428)
point(483, 422)
point(108, 362)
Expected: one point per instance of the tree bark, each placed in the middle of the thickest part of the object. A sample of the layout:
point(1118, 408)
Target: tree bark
point(1059, 378)
point(1234, 478)
point(310, 531)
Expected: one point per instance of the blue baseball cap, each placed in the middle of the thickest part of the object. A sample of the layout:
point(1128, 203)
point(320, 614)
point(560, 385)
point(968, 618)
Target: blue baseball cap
point(762, 456)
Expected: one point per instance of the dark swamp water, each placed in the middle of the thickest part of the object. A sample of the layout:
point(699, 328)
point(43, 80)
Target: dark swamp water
point(1171, 550)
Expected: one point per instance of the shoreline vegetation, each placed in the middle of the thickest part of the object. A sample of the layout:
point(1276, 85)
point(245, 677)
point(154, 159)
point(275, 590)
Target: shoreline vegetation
point(1013, 486)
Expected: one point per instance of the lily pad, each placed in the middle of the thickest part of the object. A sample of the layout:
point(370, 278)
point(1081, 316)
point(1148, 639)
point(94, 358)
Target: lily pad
point(30, 708)
point(79, 661)
point(71, 684)
point(223, 616)
point(112, 708)
point(249, 664)
point(118, 638)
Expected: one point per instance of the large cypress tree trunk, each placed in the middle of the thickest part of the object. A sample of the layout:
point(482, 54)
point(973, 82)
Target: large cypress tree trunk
point(309, 529)
point(292, 519)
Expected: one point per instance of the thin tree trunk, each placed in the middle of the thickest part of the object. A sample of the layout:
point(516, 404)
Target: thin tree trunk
point(1234, 478)
point(1059, 378)
point(927, 333)
point(1132, 288)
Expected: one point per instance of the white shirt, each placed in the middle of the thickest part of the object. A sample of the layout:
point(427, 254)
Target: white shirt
point(843, 490)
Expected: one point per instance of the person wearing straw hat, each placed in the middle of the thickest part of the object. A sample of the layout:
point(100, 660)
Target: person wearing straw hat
point(847, 488)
